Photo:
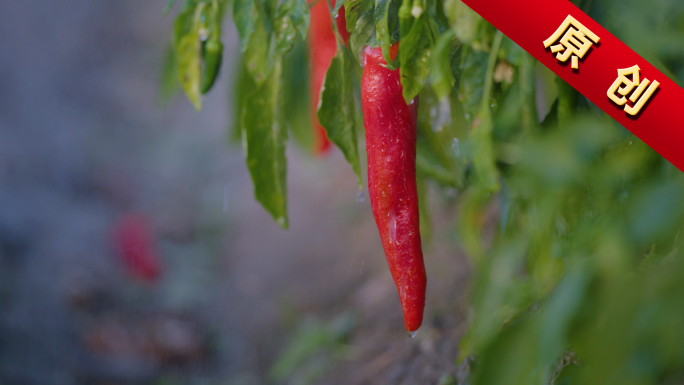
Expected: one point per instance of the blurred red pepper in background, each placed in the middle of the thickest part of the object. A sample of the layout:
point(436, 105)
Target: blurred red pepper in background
point(134, 242)
point(322, 48)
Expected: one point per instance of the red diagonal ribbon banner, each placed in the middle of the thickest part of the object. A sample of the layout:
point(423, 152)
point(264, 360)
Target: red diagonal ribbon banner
point(607, 72)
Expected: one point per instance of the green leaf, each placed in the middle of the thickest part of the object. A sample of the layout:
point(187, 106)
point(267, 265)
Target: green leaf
point(568, 100)
point(188, 56)
point(440, 129)
point(292, 16)
point(528, 93)
point(464, 21)
point(244, 85)
point(515, 351)
point(245, 15)
point(300, 16)
point(285, 31)
point(508, 114)
point(352, 10)
point(471, 82)
point(414, 52)
point(436, 10)
point(213, 17)
point(297, 103)
point(182, 25)
point(364, 30)
point(338, 5)
point(469, 232)
point(442, 77)
point(383, 31)
point(654, 213)
point(264, 135)
point(481, 130)
point(501, 293)
point(254, 29)
point(482, 150)
point(336, 111)
point(311, 350)
point(560, 310)
point(169, 78)
point(428, 165)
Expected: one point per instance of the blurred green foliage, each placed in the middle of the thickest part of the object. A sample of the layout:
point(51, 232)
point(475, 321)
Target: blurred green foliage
point(571, 222)
point(584, 258)
point(312, 350)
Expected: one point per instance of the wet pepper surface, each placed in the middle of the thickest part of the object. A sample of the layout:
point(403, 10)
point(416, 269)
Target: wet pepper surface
point(390, 126)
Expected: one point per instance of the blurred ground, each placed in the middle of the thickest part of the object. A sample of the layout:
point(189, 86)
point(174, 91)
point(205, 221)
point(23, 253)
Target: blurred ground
point(84, 138)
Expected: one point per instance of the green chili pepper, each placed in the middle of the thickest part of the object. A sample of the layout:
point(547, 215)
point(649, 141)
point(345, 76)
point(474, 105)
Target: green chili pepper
point(213, 55)
point(212, 52)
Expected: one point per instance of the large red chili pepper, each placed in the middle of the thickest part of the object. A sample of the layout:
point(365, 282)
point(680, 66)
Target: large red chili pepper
point(391, 147)
point(322, 48)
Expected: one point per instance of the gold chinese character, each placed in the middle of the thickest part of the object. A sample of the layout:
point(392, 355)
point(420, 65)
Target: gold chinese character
point(574, 43)
point(628, 87)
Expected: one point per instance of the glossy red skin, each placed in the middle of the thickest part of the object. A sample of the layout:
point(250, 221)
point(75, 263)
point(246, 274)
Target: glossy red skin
point(341, 21)
point(322, 48)
point(391, 147)
point(134, 242)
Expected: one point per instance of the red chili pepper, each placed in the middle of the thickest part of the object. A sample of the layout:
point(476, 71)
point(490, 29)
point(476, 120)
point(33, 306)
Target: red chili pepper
point(322, 48)
point(134, 243)
point(341, 21)
point(391, 147)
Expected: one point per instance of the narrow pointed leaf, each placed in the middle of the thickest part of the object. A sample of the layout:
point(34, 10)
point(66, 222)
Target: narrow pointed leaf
point(264, 136)
point(442, 76)
point(190, 66)
point(255, 38)
point(383, 31)
point(245, 16)
point(415, 51)
point(362, 33)
point(292, 17)
point(464, 21)
point(353, 9)
point(336, 111)
point(481, 131)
